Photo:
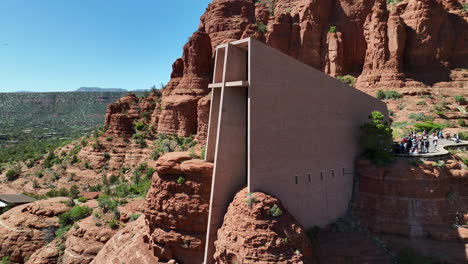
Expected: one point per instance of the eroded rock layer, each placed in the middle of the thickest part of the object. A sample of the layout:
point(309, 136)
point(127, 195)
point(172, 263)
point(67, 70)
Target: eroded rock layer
point(27, 228)
point(253, 233)
point(413, 43)
point(177, 210)
point(425, 203)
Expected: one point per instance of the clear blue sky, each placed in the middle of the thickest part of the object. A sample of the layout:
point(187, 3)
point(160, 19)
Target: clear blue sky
point(61, 45)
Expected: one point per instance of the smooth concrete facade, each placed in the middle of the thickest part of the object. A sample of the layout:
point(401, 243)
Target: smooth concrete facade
point(283, 128)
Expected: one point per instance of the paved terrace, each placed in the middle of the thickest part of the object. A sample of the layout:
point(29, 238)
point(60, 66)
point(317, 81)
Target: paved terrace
point(440, 151)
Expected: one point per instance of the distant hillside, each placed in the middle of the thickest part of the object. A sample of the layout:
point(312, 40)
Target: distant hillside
point(31, 124)
point(98, 89)
point(64, 108)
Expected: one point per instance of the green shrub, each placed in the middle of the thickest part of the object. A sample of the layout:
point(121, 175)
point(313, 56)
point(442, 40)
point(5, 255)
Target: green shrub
point(114, 224)
point(108, 139)
point(97, 146)
point(75, 214)
point(106, 203)
point(181, 180)
point(440, 109)
point(13, 174)
point(55, 176)
point(460, 99)
point(140, 126)
point(376, 139)
point(250, 200)
point(203, 152)
point(332, 29)
point(463, 135)
point(60, 233)
point(106, 155)
point(461, 122)
point(74, 191)
point(62, 192)
point(5, 260)
point(388, 95)
point(138, 136)
point(380, 95)
point(30, 163)
point(124, 169)
point(155, 155)
point(8, 207)
point(428, 127)
point(141, 142)
point(439, 164)
point(82, 200)
point(421, 103)
point(261, 27)
point(134, 217)
point(415, 162)
point(95, 188)
point(347, 79)
point(276, 211)
point(39, 174)
point(149, 173)
point(420, 117)
point(74, 160)
point(113, 179)
point(428, 96)
point(50, 160)
point(465, 161)
point(36, 184)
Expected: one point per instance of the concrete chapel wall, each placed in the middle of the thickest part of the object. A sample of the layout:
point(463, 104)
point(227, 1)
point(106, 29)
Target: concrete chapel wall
point(230, 153)
point(303, 130)
point(284, 128)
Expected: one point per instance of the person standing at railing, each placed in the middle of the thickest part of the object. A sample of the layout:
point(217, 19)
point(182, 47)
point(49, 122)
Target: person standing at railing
point(426, 144)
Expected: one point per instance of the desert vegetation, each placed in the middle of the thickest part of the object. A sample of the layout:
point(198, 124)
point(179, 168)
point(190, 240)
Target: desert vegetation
point(376, 139)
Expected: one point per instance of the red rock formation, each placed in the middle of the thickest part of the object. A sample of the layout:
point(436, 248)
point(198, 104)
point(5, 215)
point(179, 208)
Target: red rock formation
point(203, 116)
point(417, 202)
point(385, 37)
point(179, 105)
point(334, 59)
point(412, 44)
point(84, 241)
point(177, 212)
point(48, 254)
point(127, 246)
point(226, 20)
point(26, 228)
point(120, 115)
point(251, 234)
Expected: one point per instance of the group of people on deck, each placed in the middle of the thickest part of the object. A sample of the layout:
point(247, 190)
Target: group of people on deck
point(416, 143)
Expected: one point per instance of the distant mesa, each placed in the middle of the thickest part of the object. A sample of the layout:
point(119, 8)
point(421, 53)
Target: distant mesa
point(98, 89)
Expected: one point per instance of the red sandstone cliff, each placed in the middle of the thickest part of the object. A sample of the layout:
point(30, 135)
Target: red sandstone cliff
point(251, 234)
point(176, 216)
point(416, 205)
point(27, 228)
point(412, 44)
